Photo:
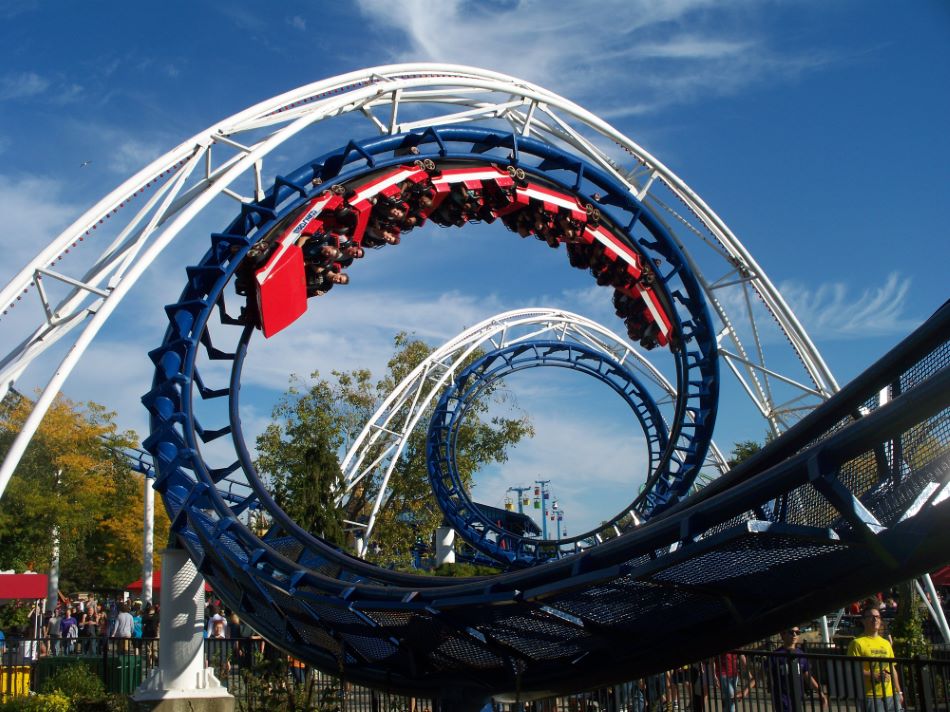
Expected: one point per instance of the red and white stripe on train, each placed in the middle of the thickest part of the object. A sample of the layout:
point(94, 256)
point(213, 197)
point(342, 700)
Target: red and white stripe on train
point(280, 285)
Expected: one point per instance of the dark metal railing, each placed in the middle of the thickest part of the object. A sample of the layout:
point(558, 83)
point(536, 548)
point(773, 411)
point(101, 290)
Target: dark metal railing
point(122, 664)
point(261, 676)
point(756, 681)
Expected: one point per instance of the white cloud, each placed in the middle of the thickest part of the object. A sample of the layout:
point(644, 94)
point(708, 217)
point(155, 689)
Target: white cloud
point(829, 311)
point(12, 8)
point(122, 150)
point(693, 47)
point(297, 22)
point(833, 311)
point(35, 210)
point(115, 373)
point(243, 19)
point(22, 85)
point(132, 154)
point(646, 54)
point(69, 93)
point(354, 328)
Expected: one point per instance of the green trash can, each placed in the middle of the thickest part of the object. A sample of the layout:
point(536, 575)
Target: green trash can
point(125, 674)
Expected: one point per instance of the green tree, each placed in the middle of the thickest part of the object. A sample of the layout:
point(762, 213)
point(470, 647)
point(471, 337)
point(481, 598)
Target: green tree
point(743, 450)
point(908, 629)
point(71, 479)
point(482, 438)
point(330, 413)
point(305, 491)
point(111, 554)
point(297, 453)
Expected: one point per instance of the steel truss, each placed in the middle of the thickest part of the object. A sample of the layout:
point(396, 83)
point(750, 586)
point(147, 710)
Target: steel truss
point(376, 450)
point(232, 157)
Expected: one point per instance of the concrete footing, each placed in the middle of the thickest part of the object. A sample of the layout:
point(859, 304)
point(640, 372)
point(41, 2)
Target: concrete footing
point(181, 681)
point(191, 703)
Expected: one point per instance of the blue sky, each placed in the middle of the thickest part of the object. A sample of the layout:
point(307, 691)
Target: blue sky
point(817, 130)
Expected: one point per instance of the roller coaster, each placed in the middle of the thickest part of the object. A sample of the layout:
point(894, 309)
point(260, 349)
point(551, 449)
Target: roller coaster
point(851, 496)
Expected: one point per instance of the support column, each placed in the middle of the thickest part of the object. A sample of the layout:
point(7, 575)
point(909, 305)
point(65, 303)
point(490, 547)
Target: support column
point(444, 546)
point(936, 611)
point(52, 586)
point(148, 542)
point(181, 681)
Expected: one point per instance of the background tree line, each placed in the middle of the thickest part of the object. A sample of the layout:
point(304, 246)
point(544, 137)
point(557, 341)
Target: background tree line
point(74, 481)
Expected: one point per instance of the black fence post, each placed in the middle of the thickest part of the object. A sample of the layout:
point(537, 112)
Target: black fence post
point(924, 687)
point(105, 663)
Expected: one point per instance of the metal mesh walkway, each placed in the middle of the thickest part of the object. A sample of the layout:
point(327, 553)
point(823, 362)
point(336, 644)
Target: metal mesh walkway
point(851, 499)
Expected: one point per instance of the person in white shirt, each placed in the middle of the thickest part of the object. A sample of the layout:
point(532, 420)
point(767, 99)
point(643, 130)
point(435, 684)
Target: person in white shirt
point(215, 616)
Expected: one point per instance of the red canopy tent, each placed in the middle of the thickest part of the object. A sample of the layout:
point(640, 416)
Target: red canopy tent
point(25, 586)
point(941, 577)
point(136, 586)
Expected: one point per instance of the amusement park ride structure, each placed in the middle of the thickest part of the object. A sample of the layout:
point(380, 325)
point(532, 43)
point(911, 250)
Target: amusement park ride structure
point(144, 214)
point(853, 491)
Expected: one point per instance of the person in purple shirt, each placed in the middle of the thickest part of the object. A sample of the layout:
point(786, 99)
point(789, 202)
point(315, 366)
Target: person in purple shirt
point(789, 684)
point(69, 630)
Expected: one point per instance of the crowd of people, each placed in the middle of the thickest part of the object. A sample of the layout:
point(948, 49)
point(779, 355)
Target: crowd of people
point(91, 626)
point(84, 626)
point(785, 677)
point(232, 644)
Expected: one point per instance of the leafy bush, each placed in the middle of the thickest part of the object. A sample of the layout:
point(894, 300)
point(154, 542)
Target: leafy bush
point(76, 682)
point(52, 702)
point(463, 569)
point(268, 688)
point(110, 703)
point(908, 628)
point(14, 615)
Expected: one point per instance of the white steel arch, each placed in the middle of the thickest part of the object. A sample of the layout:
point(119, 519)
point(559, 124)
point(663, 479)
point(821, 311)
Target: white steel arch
point(232, 157)
point(375, 451)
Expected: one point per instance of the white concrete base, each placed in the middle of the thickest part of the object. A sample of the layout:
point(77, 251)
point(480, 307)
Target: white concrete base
point(181, 681)
point(208, 695)
point(206, 685)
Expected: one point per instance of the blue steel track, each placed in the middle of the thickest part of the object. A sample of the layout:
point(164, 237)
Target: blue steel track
point(461, 513)
point(845, 502)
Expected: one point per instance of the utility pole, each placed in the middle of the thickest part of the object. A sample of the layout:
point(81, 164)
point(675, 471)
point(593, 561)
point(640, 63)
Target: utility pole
point(543, 491)
point(520, 492)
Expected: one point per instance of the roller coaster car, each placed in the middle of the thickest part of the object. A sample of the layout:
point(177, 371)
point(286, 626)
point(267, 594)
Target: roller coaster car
point(389, 186)
point(552, 202)
point(280, 284)
point(469, 193)
point(305, 255)
point(284, 282)
point(656, 330)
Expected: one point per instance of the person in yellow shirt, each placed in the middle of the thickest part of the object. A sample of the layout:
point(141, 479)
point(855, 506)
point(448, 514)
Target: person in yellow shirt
point(882, 687)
